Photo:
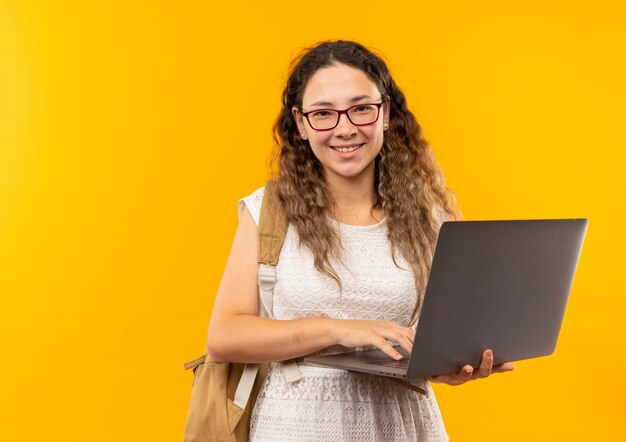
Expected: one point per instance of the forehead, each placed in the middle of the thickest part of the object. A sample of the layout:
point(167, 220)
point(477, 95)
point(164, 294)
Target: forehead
point(338, 85)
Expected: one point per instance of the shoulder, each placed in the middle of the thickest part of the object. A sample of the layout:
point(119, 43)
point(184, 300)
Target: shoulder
point(253, 203)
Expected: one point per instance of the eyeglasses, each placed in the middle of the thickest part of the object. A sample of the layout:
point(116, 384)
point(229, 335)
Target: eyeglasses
point(359, 115)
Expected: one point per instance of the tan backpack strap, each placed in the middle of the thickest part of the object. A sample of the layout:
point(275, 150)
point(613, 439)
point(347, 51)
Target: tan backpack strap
point(291, 371)
point(244, 388)
point(272, 232)
point(272, 228)
point(194, 364)
point(267, 281)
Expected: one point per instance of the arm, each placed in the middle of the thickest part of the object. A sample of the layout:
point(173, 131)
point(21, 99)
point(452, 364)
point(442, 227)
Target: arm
point(237, 334)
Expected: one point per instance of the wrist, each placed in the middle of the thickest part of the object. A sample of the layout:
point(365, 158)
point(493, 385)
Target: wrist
point(329, 329)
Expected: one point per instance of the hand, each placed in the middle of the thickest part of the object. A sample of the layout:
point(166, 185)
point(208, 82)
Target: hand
point(467, 372)
point(352, 333)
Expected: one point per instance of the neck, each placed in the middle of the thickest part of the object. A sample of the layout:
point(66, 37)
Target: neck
point(354, 199)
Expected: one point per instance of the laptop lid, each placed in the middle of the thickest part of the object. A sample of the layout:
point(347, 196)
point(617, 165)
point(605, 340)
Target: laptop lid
point(502, 285)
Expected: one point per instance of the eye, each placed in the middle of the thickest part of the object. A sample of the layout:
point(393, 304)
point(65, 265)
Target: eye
point(364, 108)
point(321, 114)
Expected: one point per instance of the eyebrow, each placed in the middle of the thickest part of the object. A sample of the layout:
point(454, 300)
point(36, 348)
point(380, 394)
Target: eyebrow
point(352, 100)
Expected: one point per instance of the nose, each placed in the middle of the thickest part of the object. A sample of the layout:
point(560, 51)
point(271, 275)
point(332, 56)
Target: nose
point(344, 127)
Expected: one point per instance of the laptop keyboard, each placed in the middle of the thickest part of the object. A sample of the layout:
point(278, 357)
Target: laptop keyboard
point(404, 363)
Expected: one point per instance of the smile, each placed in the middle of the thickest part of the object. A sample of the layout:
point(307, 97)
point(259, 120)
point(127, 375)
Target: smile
point(344, 149)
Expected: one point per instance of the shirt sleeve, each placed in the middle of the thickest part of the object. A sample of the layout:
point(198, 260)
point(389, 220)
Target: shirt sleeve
point(253, 203)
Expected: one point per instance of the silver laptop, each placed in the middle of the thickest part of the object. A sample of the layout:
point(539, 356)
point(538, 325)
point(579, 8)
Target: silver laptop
point(501, 285)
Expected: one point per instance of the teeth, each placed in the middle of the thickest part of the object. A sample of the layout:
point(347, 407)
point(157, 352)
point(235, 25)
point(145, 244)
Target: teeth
point(346, 149)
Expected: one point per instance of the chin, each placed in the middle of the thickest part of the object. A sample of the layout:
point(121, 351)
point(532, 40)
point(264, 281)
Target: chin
point(352, 173)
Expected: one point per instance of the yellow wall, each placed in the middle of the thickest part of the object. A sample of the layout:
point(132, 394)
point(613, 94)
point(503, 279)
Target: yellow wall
point(128, 130)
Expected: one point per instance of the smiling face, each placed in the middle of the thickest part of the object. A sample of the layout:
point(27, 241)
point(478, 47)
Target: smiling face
point(347, 151)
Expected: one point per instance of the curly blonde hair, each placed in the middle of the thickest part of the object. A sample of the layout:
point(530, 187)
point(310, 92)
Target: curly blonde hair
point(409, 186)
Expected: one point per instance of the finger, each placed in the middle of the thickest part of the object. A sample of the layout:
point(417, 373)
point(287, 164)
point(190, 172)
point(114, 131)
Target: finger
point(440, 378)
point(400, 337)
point(507, 366)
point(449, 379)
point(410, 334)
point(388, 349)
point(466, 373)
point(486, 365)
point(406, 342)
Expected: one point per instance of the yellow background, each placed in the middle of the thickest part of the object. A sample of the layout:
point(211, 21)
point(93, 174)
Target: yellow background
point(128, 131)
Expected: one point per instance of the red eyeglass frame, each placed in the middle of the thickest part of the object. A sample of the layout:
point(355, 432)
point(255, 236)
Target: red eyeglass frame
point(344, 111)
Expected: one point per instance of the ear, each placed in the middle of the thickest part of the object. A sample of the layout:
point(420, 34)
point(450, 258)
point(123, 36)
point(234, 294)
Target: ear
point(297, 116)
point(386, 110)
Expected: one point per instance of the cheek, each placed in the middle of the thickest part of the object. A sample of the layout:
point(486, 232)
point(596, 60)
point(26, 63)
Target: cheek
point(319, 140)
point(376, 136)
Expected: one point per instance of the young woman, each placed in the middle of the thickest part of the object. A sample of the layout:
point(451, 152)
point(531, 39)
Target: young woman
point(364, 198)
